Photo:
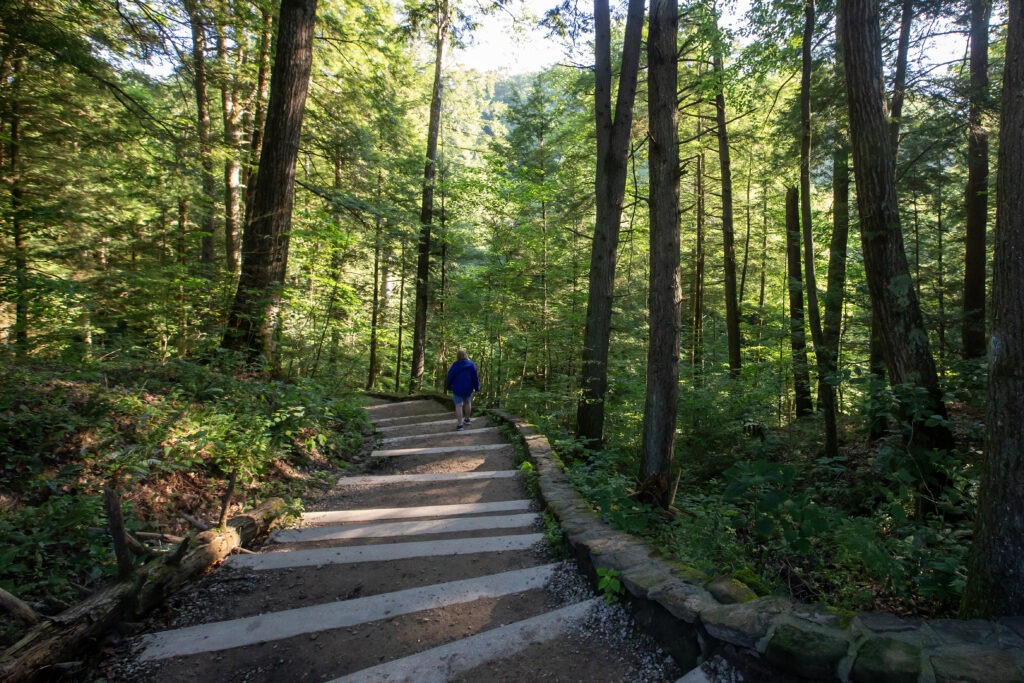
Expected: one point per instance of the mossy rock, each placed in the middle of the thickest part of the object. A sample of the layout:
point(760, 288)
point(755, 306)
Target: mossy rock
point(806, 650)
point(730, 591)
point(747, 576)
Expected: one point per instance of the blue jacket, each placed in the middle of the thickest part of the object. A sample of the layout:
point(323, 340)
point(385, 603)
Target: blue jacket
point(462, 378)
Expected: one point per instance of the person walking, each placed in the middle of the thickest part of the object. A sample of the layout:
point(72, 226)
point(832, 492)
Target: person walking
point(462, 380)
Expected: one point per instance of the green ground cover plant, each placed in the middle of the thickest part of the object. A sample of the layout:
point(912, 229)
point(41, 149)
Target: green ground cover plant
point(764, 506)
point(167, 436)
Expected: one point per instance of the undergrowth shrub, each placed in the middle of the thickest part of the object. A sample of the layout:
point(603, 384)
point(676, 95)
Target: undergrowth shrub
point(167, 436)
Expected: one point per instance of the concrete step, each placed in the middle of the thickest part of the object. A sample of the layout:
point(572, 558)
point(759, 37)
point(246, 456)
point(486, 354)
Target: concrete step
point(442, 450)
point(274, 626)
point(316, 557)
point(436, 436)
point(372, 514)
point(418, 527)
point(441, 664)
point(376, 480)
point(413, 419)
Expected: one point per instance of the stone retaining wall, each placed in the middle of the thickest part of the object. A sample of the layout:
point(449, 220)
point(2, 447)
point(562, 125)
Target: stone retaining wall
point(772, 638)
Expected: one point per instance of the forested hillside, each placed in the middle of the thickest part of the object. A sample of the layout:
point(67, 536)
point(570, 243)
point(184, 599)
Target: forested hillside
point(742, 265)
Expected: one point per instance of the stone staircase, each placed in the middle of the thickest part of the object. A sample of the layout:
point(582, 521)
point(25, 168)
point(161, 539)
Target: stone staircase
point(433, 568)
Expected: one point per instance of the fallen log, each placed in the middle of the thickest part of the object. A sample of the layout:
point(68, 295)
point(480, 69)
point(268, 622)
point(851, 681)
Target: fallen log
point(18, 608)
point(63, 637)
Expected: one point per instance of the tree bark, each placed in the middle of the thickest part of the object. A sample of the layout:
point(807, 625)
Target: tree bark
point(115, 524)
point(419, 326)
point(374, 369)
point(899, 81)
point(826, 388)
point(230, 114)
point(253, 314)
point(610, 185)
point(662, 396)
point(834, 291)
point(976, 193)
point(732, 309)
point(203, 131)
point(797, 336)
point(251, 170)
point(17, 608)
point(697, 306)
point(904, 337)
point(17, 218)
point(995, 585)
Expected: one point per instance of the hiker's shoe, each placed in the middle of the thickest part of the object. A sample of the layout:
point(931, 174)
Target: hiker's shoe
point(466, 421)
point(459, 428)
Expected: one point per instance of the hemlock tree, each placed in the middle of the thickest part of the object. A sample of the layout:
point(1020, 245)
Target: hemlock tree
point(893, 297)
point(204, 130)
point(995, 584)
point(665, 297)
point(442, 23)
point(826, 391)
point(976, 193)
point(253, 314)
point(732, 309)
point(613, 128)
point(797, 336)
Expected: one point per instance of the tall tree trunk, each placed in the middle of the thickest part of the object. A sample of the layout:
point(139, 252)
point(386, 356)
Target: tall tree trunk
point(940, 284)
point(204, 133)
point(746, 238)
point(662, 396)
point(232, 136)
point(19, 235)
point(419, 328)
point(832, 326)
point(378, 289)
point(826, 388)
point(797, 336)
point(907, 353)
point(899, 81)
point(876, 349)
point(401, 323)
point(251, 170)
point(995, 584)
point(697, 306)
point(254, 313)
point(732, 309)
point(976, 194)
point(610, 185)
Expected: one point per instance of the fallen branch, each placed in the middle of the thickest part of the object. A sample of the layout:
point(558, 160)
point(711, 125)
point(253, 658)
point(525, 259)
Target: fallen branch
point(154, 536)
point(196, 522)
point(138, 547)
point(18, 608)
point(63, 637)
point(115, 522)
point(226, 501)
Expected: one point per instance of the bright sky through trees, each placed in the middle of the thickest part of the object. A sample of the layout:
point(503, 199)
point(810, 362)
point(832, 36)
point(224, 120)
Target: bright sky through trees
point(508, 42)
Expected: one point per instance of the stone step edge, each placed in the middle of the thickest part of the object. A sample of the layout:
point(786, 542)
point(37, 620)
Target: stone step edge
point(224, 635)
point(385, 552)
point(378, 479)
point(400, 529)
point(449, 421)
point(441, 664)
point(441, 450)
point(437, 435)
point(413, 511)
point(425, 416)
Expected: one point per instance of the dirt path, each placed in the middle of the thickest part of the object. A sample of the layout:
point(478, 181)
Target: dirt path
point(430, 567)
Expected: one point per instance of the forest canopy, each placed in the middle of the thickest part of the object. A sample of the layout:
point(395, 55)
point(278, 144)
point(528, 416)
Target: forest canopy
point(819, 328)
